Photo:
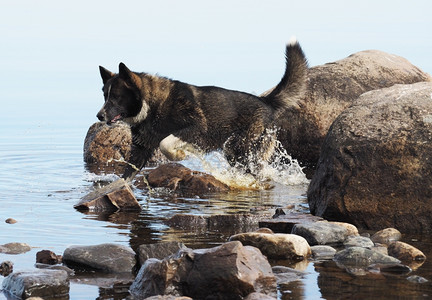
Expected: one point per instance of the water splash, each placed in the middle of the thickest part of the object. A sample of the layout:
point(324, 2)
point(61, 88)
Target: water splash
point(282, 169)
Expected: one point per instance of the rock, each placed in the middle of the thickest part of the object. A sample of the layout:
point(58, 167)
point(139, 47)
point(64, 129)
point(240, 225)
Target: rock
point(321, 233)
point(394, 269)
point(351, 229)
point(358, 241)
point(6, 268)
point(104, 144)
point(362, 257)
point(231, 223)
point(106, 147)
point(323, 252)
point(14, 248)
point(417, 279)
point(276, 246)
point(115, 196)
point(159, 250)
point(285, 223)
point(285, 275)
point(405, 252)
point(331, 89)
point(375, 157)
point(168, 297)
point(386, 236)
point(10, 221)
point(177, 177)
point(109, 258)
point(47, 284)
point(69, 271)
point(229, 271)
point(258, 296)
point(48, 257)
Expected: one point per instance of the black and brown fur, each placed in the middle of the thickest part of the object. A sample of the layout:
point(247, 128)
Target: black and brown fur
point(207, 117)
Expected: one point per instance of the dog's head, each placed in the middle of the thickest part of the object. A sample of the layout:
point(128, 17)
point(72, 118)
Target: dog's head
point(123, 97)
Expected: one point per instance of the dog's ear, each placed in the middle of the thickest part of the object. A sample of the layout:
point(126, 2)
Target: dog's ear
point(105, 74)
point(129, 76)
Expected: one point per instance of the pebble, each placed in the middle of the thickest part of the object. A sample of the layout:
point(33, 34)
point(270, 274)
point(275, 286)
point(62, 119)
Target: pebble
point(10, 221)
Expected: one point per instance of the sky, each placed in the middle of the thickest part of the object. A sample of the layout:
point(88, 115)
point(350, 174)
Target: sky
point(51, 50)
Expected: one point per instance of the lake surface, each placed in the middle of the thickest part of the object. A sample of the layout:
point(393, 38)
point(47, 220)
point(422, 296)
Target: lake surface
point(42, 175)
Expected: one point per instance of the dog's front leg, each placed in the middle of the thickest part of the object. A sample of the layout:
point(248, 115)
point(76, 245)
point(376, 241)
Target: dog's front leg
point(138, 158)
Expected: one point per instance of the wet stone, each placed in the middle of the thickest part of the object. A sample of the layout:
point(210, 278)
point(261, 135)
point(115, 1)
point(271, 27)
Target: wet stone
point(405, 252)
point(109, 258)
point(6, 268)
point(277, 246)
point(229, 271)
point(386, 236)
point(323, 252)
point(159, 250)
point(285, 275)
point(259, 296)
point(362, 257)
point(14, 248)
point(321, 233)
point(10, 221)
point(284, 223)
point(115, 196)
point(48, 257)
point(358, 241)
point(37, 283)
point(417, 279)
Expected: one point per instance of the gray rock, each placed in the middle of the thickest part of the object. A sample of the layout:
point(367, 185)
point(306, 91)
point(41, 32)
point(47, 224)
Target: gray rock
point(229, 271)
point(358, 241)
point(109, 258)
point(37, 283)
point(417, 279)
point(331, 89)
point(285, 223)
point(285, 275)
point(321, 233)
point(159, 250)
point(14, 248)
point(374, 169)
point(362, 257)
point(323, 252)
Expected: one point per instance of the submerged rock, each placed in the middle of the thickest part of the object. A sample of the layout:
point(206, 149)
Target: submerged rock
point(47, 284)
point(109, 258)
point(229, 271)
point(374, 169)
point(276, 246)
point(177, 177)
point(362, 257)
point(14, 248)
point(285, 275)
point(333, 87)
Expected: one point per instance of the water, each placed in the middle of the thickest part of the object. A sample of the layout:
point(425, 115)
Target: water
point(42, 175)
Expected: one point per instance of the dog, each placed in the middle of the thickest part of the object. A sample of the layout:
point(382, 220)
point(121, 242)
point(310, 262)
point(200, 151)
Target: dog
point(171, 114)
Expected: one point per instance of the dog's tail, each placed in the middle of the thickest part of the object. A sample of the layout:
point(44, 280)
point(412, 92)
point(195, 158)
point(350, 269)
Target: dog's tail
point(293, 83)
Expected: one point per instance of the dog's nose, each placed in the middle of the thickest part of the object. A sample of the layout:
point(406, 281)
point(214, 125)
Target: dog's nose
point(100, 116)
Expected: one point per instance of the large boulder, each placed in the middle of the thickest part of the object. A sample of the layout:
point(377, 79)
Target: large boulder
point(375, 165)
point(106, 146)
point(333, 87)
point(229, 271)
